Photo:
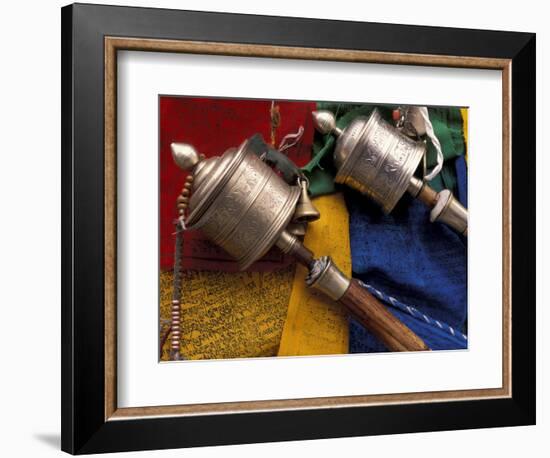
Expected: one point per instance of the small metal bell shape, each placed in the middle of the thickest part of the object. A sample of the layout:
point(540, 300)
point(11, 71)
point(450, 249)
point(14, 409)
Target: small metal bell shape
point(305, 210)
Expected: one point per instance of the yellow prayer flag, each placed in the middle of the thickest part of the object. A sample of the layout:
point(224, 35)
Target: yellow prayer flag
point(316, 325)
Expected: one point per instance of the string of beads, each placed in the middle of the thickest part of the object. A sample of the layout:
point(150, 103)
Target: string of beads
point(182, 203)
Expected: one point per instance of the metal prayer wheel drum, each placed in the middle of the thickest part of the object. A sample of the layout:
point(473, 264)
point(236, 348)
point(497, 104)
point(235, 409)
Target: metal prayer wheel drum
point(373, 157)
point(237, 201)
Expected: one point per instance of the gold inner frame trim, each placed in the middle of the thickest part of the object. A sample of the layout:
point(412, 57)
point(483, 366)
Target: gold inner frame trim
point(114, 44)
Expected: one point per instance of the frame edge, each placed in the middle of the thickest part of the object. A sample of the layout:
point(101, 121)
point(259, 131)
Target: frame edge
point(67, 382)
point(104, 438)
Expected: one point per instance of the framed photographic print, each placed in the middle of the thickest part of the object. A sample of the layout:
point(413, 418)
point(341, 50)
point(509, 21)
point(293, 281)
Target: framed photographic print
point(281, 228)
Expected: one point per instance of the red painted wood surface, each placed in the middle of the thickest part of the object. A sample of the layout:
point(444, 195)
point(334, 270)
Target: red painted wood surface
point(212, 125)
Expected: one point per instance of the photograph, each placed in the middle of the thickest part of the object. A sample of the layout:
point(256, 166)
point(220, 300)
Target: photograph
point(269, 209)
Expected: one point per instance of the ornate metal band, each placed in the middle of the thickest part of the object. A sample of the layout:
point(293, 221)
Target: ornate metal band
point(450, 211)
point(326, 277)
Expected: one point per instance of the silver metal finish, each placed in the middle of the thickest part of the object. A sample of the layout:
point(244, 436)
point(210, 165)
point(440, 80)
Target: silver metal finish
point(373, 157)
point(450, 211)
point(297, 229)
point(411, 122)
point(184, 155)
point(239, 203)
point(415, 186)
point(325, 122)
point(305, 210)
point(327, 278)
point(286, 242)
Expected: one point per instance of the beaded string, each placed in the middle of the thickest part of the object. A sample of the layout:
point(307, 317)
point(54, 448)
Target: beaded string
point(275, 116)
point(175, 325)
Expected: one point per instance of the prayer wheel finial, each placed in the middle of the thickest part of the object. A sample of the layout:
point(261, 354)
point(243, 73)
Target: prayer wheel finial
point(325, 122)
point(185, 156)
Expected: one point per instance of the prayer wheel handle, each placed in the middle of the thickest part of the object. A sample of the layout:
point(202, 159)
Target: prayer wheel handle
point(445, 207)
point(376, 317)
point(369, 311)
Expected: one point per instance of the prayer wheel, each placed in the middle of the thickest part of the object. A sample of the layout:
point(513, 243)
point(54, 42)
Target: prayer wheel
point(376, 159)
point(241, 204)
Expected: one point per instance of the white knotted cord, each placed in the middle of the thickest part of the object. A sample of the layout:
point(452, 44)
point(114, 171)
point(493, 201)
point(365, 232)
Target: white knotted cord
point(180, 225)
point(295, 136)
point(181, 221)
point(431, 134)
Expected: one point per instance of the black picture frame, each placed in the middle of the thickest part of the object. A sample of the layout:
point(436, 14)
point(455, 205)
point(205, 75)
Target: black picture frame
point(84, 427)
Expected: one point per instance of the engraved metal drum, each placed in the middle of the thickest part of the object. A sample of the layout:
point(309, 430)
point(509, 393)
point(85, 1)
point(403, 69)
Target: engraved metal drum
point(376, 159)
point(240, 204)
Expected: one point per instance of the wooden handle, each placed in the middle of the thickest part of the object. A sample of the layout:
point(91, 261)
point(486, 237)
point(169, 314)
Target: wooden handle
point(379, 320)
